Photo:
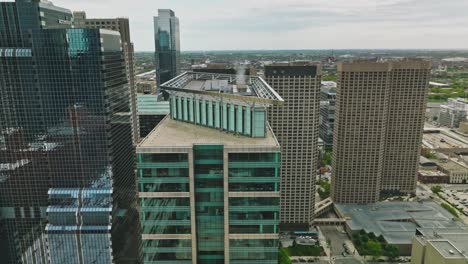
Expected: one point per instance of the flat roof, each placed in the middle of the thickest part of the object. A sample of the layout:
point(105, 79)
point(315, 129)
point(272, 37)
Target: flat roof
point(240, 87)
point(447, 239)
point(452, 166)
point(446, 249)
point(171, 133)
point(397, 221)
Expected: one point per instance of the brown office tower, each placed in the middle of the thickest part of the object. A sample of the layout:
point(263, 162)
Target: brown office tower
point(378, 128)
point(122, 26)
point(296, 127)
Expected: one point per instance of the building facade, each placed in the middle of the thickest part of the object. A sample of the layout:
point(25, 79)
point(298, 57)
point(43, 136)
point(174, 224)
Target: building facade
point(65, 137)
point(327, 115)
point(209, 188)
point(453, 113)
point(440, 245)
point(296, 125)
point(122, 26)
point(378, 128)
point(151, 111)
point(167, 46)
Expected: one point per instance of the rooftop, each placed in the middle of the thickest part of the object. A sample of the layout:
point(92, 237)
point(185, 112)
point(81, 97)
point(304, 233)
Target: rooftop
point(397, 221)
point(432, 173)
point(452, 166)
point(241, 87)
point(451, 243)
point(171, 133)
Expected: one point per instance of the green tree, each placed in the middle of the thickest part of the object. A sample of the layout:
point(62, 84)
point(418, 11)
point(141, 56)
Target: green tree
point(327, 158)
point(436, 189)
point(374, 248)
point(391, 251)
point(283, 256)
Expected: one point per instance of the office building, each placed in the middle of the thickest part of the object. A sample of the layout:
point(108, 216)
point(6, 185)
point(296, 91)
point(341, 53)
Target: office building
point(327, 113)
point(378, 128)
point(440, 246)
point(67, 184)
point(208, 174)
point(167, 46)
point(453, 113)
point(122, 26)
point(296, 125)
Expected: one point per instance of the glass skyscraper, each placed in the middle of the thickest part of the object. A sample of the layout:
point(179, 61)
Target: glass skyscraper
point(209, 173)
point(67, 183)
point(167, 45)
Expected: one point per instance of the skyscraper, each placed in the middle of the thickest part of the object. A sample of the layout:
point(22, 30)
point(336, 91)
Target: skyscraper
point(67, 185)
point(378, 128)
point(209, 174)
point(122, 26)
point(167, 45)
point(296, 126)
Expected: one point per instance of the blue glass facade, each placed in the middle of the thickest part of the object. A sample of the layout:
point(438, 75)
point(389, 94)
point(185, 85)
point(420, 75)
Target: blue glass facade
point(167, 45)
point(63, 127)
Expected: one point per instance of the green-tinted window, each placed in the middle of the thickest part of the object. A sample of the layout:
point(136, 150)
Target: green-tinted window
point(165, 172)
point(209, 203)
point(253, 243)
point(167, 243)
point(165, 229)
point(252, 172)
point(253, 157)
point(164, 187)
point(164, 202)
point(261, 215)
point(253, 201)
point(165, 157)
point(253, 187)
point(252, 229)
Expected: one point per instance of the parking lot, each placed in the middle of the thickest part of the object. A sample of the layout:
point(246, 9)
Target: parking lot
point(458, 198)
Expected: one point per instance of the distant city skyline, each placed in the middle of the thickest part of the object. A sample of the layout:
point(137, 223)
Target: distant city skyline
point(294, 24)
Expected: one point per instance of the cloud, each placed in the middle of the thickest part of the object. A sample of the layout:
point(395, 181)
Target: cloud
point(294, 24)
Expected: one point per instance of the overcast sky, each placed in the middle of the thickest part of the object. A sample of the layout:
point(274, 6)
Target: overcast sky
point(294, 24)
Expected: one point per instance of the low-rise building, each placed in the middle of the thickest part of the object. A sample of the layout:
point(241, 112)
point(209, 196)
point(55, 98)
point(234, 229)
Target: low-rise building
point(397, 222)
point(440, 246)
point(433, 177)
point(456, 172)
point(463, 128)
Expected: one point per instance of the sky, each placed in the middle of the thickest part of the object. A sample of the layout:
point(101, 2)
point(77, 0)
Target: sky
point(294, 24)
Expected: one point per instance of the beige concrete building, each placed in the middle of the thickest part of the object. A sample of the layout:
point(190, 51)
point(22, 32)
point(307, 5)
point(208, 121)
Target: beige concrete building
point(123, 27)
point(296, 125)
point(457, 173)
point(378, 128)
point(440, 246)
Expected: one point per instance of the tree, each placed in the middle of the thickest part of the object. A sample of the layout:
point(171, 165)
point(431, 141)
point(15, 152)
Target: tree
point(436, 189)
point(391, 251)
point(327, 158)
point(381, 239)
point(283, 256)
point(374, 248)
